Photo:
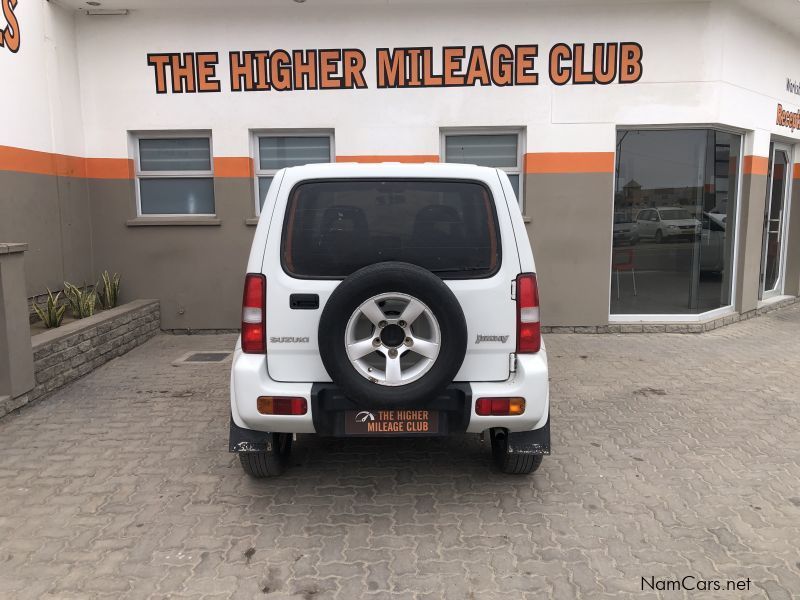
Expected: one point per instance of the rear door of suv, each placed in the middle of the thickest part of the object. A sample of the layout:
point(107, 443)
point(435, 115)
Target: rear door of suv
point(330, 222)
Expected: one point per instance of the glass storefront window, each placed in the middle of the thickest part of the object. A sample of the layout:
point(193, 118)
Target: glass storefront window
point(674, 221)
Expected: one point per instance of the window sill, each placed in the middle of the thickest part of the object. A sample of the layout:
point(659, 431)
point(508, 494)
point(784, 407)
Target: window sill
point(251, 221)
point(173, 221)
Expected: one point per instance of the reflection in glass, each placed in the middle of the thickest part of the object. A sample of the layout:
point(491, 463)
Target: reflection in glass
point(263, 188)
point(674, 220)
point(277, 152)
point(175, 154)
point(177, 196)
point(487, 150)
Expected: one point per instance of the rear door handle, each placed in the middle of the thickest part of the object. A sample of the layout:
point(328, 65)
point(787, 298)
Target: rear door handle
point(304, 301)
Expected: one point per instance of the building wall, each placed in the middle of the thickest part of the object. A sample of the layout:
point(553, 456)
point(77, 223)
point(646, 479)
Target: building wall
point(196, 271)
point(792, 285)
point(704, 64)
point(43, 191)
point(751, 228)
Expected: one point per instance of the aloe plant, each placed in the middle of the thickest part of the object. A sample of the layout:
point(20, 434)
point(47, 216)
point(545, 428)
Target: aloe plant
point(109, 295)
point(51, 313)
point(81, 300)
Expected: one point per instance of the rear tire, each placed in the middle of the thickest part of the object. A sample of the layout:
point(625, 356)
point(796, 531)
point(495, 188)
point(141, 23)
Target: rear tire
point(271, 463)
point(512, 464)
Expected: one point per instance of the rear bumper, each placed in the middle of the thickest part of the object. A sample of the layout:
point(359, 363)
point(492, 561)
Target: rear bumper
point(250, 379)
point(536, 441)
point(329, 406)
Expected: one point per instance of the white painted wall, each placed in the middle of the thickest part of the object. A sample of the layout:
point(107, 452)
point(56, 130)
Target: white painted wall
point(83, 82)
point(40, 102)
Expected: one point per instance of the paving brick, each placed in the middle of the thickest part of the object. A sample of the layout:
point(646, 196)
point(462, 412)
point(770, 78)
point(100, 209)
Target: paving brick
point(672, 455)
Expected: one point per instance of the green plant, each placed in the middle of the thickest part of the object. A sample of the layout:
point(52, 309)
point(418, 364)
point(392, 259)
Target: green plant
point(51, 313)
point(81, 300)
point(109, 295)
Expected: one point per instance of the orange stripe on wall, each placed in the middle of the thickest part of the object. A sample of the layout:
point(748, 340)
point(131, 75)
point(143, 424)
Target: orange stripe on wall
point(401, 158)
point(109, 168)
point(233, 166)
point(756, 165)
point(796, 174)
point(27, 161)
point(21, 160)
point(569, 162)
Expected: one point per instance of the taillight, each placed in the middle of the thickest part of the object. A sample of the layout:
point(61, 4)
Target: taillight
point(254, 317)
point(499, 406)
point(282, 405)
point(529, 331)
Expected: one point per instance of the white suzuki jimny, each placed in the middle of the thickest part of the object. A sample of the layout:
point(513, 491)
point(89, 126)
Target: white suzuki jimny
point(390, 300)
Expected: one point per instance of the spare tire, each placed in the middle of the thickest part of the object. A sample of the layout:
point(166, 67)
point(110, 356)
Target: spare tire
point(392, 334)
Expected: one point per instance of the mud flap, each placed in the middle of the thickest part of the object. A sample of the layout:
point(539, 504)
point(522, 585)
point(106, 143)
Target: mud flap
point(248, 440)
point(530, 442)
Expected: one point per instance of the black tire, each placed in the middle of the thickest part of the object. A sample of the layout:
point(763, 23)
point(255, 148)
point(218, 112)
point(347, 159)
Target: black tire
point(513, 464)
point(271, 463)
point(659, 237)
point(382, 278)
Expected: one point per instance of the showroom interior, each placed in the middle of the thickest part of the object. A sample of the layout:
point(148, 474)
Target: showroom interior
point(655, 146)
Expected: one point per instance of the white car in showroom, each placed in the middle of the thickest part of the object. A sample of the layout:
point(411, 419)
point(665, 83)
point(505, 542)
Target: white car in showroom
point(390, 300)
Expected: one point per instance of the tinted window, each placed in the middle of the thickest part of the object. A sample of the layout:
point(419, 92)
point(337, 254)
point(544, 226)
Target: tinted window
point(334, 228)
point(175, 154)
point(175, 176)
point(681, 263)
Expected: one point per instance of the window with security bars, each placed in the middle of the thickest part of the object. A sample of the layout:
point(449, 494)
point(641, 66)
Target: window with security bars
point(498, 150)
point(174, 175)
point(275, 152)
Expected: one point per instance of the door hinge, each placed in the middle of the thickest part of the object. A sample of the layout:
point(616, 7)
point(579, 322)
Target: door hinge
point(513, 289)
point(512, 363)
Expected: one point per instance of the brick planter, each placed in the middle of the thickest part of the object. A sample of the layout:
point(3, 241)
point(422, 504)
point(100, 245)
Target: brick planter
point(71, 351)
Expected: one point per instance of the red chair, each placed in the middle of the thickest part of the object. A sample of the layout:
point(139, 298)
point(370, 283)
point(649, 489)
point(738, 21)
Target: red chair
point(622, 260)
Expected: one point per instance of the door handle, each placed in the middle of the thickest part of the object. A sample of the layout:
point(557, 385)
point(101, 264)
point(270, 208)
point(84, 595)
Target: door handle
point(304, 301)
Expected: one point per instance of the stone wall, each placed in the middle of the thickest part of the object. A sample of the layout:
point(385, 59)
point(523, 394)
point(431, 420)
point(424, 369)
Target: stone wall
point(71, 351)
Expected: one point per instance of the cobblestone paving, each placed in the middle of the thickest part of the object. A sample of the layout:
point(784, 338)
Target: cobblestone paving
point(674, 455)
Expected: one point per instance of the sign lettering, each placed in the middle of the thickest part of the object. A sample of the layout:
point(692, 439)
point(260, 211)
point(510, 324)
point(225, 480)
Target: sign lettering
point(425, 67)
point(788, 119)
point(9, 35)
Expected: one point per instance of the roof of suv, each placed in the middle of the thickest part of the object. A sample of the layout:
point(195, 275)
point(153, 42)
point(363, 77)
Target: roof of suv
point(392, 169)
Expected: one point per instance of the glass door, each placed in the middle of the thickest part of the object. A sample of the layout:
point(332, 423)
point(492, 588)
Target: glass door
point(772, 252)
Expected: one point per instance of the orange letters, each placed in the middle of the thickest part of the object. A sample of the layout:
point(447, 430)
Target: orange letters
point(9, 37)
point(343, 68)
point(568, 64)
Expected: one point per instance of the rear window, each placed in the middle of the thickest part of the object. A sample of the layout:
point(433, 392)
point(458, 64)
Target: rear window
point(335, 227)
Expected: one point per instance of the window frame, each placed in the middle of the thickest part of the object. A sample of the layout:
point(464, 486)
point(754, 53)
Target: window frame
point(715, 313)
point(520, 132)
point(139, 174)
point(257, 134)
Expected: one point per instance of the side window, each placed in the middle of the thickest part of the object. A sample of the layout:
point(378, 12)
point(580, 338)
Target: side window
point(498, 150)
point(174, 175)
point(275, 152)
